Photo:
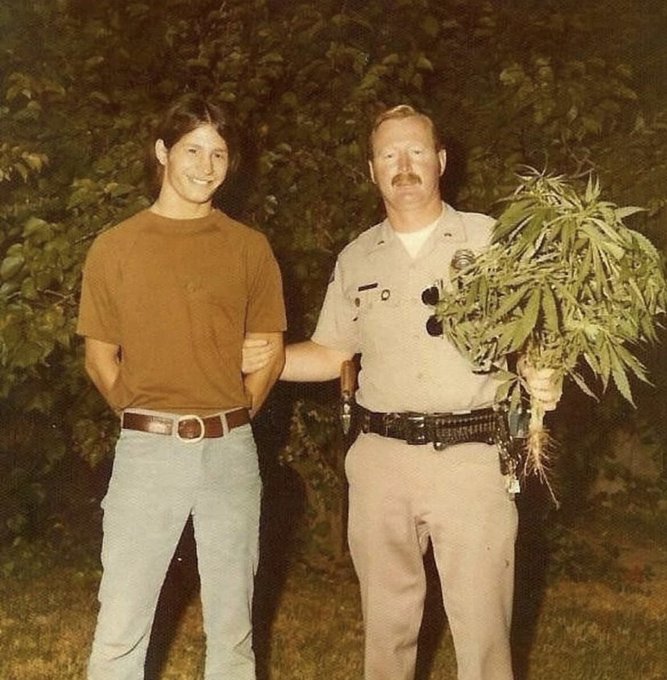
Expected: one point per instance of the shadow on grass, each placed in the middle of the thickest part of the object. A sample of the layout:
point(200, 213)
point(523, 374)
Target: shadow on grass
point(434, 620)
point(532, 555)
point(180, 585)
point(281, 509)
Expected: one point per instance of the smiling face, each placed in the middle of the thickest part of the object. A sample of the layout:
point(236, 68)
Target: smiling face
point(193, 169)
point(406, 166)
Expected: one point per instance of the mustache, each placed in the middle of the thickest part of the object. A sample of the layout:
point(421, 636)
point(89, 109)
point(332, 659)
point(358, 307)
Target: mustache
point(405, 178)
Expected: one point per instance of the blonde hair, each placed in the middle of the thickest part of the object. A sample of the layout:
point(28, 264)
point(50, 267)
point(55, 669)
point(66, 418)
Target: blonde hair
point(398, 113)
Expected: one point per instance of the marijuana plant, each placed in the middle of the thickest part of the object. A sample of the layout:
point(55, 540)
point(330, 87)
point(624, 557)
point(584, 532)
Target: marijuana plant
point(565, 285)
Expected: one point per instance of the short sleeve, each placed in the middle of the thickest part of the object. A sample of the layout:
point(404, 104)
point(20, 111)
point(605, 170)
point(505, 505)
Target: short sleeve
point(337, 326)
point(98, 316)
point(266, 306)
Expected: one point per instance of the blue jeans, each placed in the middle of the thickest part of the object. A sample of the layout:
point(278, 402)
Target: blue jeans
point(157, 482)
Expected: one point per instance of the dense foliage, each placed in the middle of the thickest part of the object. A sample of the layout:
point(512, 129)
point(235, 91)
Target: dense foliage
point(81, 81)
point(567, 286)
point(564, 282)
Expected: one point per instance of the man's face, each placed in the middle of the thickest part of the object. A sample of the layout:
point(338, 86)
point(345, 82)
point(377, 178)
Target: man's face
point(406, 165)
point(194, 167)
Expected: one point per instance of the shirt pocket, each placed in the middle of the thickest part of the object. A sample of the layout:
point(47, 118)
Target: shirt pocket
point(378, 316)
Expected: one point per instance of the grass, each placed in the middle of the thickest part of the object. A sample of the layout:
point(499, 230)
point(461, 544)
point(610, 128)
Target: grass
point(612, 624)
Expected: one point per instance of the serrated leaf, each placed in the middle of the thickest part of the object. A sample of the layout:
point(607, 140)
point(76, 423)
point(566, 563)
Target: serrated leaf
point(592, 361)
point(550, 310)
point(513, 217)
point(526, 323)
point(621, 381)
point(622, 213)
point(632, 362)
point(510, 302)
point(581, 383)
point(605, 363)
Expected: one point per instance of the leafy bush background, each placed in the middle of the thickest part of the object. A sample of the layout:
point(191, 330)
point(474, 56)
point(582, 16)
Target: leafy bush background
point(579, 86)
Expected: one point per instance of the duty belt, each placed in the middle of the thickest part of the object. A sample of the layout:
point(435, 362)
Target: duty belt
point(487, 425)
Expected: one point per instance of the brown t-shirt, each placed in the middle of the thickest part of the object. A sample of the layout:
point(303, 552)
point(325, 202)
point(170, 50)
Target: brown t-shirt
point(178, 297)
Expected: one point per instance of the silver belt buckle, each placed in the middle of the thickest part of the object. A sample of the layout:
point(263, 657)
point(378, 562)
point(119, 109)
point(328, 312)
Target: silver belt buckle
point(194, 440)
point(415, 428)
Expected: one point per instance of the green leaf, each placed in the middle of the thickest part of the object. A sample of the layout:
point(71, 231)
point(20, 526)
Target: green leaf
point(507, 341)
point(632, 362)
point(34, 225)
point(581, 383)
point(510, 302)
point(28, 289)
point(430, 25)
point(28, 353)
point(550, 309)
point(621, 381)
point(513, 217)
point(11, 266)
point(526, 324)
point(622, 213)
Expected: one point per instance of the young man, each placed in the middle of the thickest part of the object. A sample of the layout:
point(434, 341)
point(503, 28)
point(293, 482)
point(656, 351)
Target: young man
point(168, 297)
point(423, 468)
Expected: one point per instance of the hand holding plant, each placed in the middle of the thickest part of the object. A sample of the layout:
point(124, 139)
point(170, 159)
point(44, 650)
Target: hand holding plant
point(544, 385)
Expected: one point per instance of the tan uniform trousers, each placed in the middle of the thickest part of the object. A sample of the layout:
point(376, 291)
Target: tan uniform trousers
point(401, 496)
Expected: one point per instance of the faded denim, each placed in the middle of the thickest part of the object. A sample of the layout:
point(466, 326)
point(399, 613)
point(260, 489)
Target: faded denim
point(157, 483)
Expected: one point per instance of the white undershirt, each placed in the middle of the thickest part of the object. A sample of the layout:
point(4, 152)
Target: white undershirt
point(414, 240)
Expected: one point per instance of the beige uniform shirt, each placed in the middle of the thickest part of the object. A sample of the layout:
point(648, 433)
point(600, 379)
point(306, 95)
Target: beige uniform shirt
point(373, 306)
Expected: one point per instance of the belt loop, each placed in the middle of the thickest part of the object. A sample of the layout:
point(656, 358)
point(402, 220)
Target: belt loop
point(225, 424)
point(364, 419)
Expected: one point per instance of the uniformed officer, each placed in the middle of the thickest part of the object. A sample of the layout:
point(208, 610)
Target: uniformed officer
point(424, 467)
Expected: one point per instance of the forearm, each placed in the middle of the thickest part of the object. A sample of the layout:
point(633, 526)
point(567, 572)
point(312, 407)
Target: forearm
point(104, 380)
point(102, 365)
point(310, 362)
point(259, 384)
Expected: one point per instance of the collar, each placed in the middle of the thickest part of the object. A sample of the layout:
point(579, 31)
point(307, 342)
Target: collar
point(449, 226)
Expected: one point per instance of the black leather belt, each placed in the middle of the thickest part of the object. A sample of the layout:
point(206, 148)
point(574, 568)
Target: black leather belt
point(190, 428)
point(440, 429)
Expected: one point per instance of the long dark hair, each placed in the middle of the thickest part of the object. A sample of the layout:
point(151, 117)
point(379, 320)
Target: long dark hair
point(183, 116)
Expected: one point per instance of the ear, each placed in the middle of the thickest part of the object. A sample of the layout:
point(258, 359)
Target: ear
point(442, 160)
point(161, 152)
point(371, 172)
